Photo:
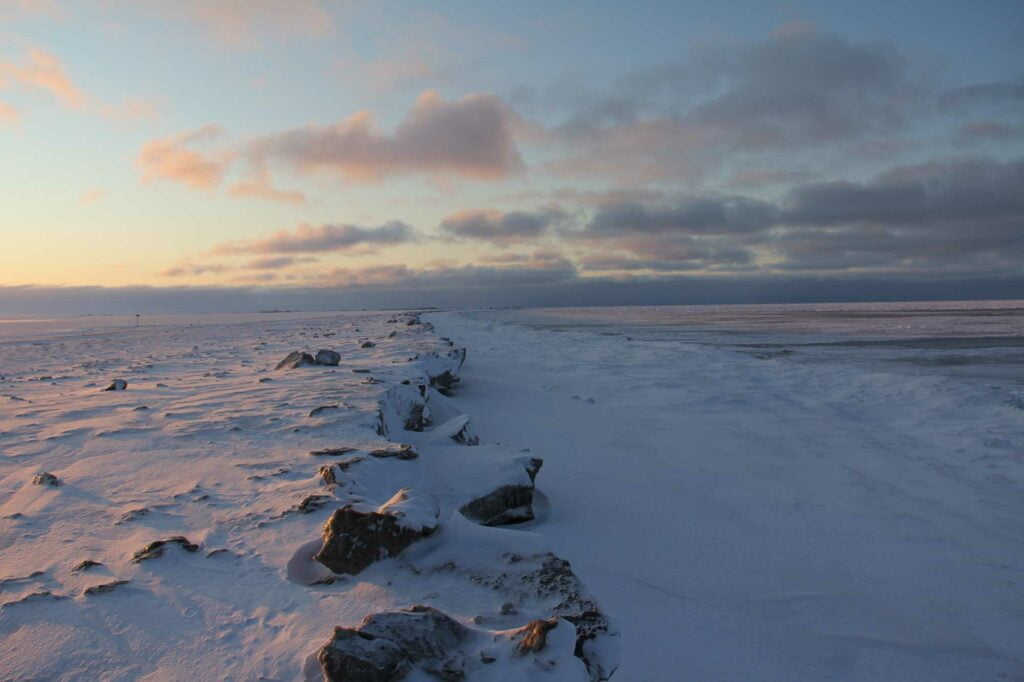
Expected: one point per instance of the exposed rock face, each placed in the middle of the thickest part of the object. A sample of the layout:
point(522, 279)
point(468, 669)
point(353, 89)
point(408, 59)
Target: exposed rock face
point(356, 536)
point(327, 357)
point(387, 646)
point(403, 407)
point(296, 359)
point(45, 478)
point(511, 501)
point(443, 370)
point(156, 548)
point(533, 636)
point(117, 385)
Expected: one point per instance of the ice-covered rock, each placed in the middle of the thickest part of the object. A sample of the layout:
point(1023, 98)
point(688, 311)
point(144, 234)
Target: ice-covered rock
point(511, 499)
point(327, 357)
point(295, 359)
point(357, 535)
point(403, 407)
point(117, 385)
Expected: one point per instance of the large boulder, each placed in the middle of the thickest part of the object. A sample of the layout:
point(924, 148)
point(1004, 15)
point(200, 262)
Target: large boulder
point(511, 499)
point(358, 535)
point(403, 407)
point(327, 357)
point(387, 646)
point(295, 359)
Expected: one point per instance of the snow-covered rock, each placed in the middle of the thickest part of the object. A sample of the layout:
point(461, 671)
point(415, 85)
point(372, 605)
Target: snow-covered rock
point(296, 359)
point(442, 370)
point(327, 357)
point(510, 500)
point(403, 407)
point(357, 535)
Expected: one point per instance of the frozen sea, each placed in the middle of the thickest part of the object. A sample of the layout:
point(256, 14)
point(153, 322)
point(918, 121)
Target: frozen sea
point(777, 492)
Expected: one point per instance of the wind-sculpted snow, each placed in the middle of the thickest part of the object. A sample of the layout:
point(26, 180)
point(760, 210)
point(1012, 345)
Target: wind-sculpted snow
point(230, 510)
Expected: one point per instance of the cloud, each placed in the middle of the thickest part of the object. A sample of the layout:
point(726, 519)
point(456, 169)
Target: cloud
point(501, 287)
point(176, 158)
point(324, 238)
point(470, 137)
point(261, 189)
point(501, 228)
point(43, 71)
point(277, 262)
point(8, 114)
point(192, 270)
point(695, 215)
point(800, 90)
point(93, 195)
point(954, 216)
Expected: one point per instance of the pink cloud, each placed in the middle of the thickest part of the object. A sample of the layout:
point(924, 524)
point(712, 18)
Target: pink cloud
point(43, 71)
point(262, 189)
point(175, 158)
point(8, 114)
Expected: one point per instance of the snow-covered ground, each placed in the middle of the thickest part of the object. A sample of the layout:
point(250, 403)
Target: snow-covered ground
point(736, 517)
point(238, 466)
point(755, 518)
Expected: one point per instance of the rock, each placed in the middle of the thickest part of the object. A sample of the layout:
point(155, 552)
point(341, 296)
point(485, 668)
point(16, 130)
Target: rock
point(105, 587)
point(45, 478)
point(331, 452)
point(367, 344)
point(328, 474)
point(117, 385)
point(392, 334)
point(403, 407)
point(402, 452)
point(309, 504)
point(296, 359)
point(316, 411)
point(156, 548)
point(357, 535)
point(443, 370)
point(550, 580)
point(85, 566)
point(327, 357)
point(512, 500)
point(387, 646)
point(533, 636)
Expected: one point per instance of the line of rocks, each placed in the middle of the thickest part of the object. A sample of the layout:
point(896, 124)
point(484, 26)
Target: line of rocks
point(389, 645)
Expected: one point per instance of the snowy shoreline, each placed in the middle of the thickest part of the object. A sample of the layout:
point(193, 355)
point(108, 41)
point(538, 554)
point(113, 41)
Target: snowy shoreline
point(176, 534)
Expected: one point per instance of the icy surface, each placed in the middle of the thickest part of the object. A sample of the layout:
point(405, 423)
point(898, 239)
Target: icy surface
point(747, 518)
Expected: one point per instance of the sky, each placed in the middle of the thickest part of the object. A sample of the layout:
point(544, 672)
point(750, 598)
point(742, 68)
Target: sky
point(174, 155)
